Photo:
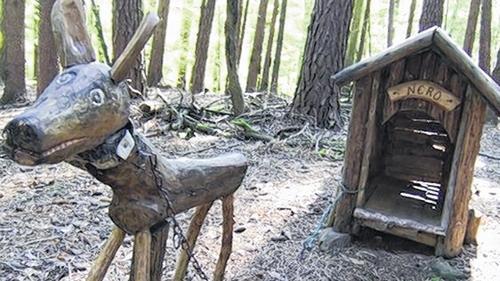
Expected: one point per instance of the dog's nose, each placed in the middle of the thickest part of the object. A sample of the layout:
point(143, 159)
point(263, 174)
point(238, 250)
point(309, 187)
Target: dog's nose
point(21, 132)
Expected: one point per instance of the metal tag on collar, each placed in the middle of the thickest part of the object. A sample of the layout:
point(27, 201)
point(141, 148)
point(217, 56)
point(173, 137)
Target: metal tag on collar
point(125, 146)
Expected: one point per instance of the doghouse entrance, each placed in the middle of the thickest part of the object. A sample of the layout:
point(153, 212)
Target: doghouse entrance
point(410, 183)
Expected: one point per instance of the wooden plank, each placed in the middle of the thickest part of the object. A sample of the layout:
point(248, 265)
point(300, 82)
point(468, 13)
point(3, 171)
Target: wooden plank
point(371, 138)
point(158, 249)
point(396, 52)
point(410, 229)
point(422, 89)
point(227, 237)
point(462, 171)
point(341, 218)
point(482, 81)
point(399, 147)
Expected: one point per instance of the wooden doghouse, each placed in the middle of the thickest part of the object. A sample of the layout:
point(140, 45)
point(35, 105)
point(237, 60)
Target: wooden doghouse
point(415, 129)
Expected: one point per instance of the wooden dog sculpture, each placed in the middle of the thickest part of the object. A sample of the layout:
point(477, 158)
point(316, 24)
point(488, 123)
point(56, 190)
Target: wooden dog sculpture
point(83, 118)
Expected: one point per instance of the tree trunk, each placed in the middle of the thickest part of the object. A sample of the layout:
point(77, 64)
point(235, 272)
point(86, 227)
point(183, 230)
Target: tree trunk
point(279, 48)
point(485, 37)
point(202, 42)
point(1, 45)
point(103, 48)
point(127, 15)
point(233, 86)
point(184, 44)
point(217, 70)
point(411, 16)
point(155, 68)
point(242, 29)
point(324, 55)
point(496, 71)
point(13, 61)
point(390, 23)
point(264, 83)
point(255, 58)
point(47, 67)
point(364, 31)
point(470, 31)
point(353, 41)
point(432, 14)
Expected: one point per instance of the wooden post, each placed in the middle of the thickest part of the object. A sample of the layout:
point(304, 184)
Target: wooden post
point(192, 235)
point(158, 248)
point(462, 171)
point(473, 223)
point(341, 218)
point(227, 237)
point(108, 252)
point(142, 255)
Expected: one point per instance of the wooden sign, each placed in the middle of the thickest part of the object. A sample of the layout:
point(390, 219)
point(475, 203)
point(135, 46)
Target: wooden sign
point(425, 90)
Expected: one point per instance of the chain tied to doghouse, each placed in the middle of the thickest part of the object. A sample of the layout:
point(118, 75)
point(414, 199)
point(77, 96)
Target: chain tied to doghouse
point(310, 241)
point(178, 238)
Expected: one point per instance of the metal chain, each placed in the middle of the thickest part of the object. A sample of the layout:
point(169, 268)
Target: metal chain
point(179, 239)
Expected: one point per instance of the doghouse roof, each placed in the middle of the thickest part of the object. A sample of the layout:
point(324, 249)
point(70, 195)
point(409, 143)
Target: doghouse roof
point(433, 38)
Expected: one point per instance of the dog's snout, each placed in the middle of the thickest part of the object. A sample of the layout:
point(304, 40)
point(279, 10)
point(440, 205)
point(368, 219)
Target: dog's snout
point(20, 132)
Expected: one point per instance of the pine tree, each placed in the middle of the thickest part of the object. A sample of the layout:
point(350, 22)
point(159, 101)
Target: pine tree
point(202, 43)
point(155, 68)
point(264, 83)
point(411, 16)
point(279, 48)
point(255, 58)
point(103, 48)
point(485, 37)
point(324, 55)
point(233, 87)
point(364, 31)
point(432, 14)
point(127, 15)
point(353, 41)
point(470, 31)
point(185, 33)
point(13, 57)
point(242, 29)
point(47, 65)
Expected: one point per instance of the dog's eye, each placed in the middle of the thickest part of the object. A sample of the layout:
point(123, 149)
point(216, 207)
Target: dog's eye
point(65, 78)
point(97, 96)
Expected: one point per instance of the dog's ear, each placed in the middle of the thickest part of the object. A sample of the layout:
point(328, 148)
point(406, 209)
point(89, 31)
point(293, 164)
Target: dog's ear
point(70, 32)
point(126, 60)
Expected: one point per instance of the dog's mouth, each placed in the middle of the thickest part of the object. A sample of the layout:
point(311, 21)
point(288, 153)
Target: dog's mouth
point(52, 155)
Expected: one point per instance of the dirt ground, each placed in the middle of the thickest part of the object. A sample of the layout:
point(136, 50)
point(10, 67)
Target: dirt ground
point(53, 219)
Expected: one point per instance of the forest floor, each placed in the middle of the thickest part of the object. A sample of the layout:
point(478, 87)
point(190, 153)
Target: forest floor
point(53, 219)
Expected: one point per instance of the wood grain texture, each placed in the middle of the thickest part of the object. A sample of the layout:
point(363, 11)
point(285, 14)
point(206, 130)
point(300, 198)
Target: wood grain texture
point(106, 256)
point(142, 258)
point(473, 222)
point(353, 158)
point(158, 248)
point(462, 171)
point(70, 32)
point(227, 237)
point(192, 235)
point(126, 60)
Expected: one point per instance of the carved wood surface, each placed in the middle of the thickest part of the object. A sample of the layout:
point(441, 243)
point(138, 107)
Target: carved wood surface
point(70, 32)
point(424, 90)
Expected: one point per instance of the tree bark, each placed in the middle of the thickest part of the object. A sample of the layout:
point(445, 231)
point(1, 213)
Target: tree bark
point(242, 29)
point(256, 56)
point(13, 57)
point(485, 37)
point(364, 31)
point(155, 69)
point(390, 23)
point(127, 15)
point(324, 55)
point(496, 71)
point(217, 70)
point(233, 86)
point(103, 48)
point(470, 31)
point(353, 41)
point(411, 16)
point(432, 14)
point(47, 64)
point(202, 43)
point(279, 48)
point(185, 33)
point(264, 83)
